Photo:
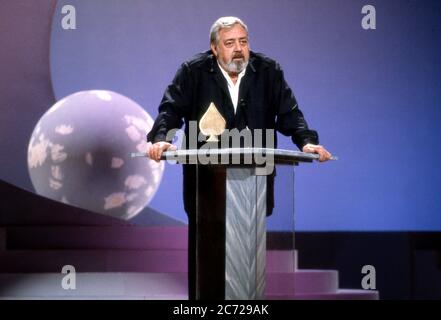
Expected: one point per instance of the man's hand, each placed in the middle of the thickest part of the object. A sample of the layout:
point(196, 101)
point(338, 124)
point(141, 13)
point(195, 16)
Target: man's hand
point(322, 152)
point(155, 151)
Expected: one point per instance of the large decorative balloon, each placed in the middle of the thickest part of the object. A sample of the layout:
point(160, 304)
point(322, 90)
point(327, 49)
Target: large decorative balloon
point(79, 153)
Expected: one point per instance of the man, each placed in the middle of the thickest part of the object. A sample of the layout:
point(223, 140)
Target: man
point(250, 92)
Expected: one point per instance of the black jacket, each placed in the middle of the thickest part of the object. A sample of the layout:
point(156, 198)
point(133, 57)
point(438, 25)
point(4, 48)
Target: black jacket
point(265, 102)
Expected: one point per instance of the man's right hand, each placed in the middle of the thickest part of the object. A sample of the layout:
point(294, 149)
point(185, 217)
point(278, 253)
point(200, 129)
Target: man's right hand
point(155, 151)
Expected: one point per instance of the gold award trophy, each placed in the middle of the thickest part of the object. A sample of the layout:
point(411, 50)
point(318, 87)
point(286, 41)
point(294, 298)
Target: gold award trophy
point(212, 123)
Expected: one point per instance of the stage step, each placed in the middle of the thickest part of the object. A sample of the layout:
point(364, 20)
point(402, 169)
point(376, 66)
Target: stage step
point(341, 294)
point(302, 281)
point(111, 260)
point(96, 285)
point(28, 261)
point(96, 237)
point(119, 238)
point(281, 261)
point(170, 286)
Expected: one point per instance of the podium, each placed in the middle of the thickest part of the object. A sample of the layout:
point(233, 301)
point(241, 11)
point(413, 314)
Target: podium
point(227, 233)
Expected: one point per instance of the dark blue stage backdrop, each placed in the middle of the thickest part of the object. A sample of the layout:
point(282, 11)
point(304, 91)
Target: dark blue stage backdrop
point(373, 95)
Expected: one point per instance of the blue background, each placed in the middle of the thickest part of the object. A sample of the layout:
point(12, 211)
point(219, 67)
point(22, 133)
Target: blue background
point(373, 95)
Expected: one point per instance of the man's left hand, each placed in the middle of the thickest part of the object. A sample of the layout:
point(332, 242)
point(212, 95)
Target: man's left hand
point(324, 154)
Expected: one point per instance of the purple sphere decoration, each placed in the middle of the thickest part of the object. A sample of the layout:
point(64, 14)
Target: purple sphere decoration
point(80, 154)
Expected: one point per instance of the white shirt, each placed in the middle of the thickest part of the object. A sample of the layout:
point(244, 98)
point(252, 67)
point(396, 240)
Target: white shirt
point(233, 88)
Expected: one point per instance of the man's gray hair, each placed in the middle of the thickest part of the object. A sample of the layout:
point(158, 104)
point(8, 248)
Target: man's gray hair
point(224, 23)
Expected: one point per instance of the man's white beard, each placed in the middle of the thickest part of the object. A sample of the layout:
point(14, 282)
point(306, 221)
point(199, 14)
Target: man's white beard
point(234, 66)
